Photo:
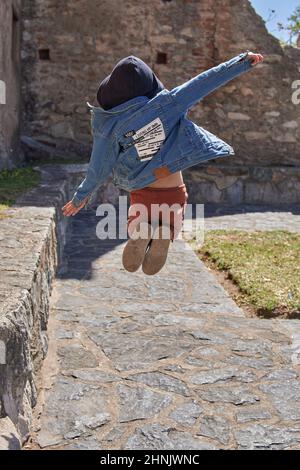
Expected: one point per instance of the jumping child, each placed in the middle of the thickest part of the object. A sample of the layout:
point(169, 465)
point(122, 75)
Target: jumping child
point(141, 134)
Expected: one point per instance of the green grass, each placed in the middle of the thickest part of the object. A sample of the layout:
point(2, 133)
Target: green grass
point(3, 207)
point(264, 265)
point(15, 182)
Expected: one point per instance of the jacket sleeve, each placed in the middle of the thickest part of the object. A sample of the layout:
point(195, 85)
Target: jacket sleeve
point(103, 159)
point(192, 91)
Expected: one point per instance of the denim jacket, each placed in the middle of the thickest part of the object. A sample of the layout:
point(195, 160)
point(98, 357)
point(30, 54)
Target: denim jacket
point(144, 139)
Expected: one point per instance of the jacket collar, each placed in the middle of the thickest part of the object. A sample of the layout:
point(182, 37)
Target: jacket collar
point(120, 107)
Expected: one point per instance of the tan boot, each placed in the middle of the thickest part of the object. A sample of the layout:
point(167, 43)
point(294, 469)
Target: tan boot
point(157, 253)
point(135, 248)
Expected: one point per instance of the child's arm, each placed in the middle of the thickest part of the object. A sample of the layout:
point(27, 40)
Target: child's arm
point(192, 91)
point(103, 159)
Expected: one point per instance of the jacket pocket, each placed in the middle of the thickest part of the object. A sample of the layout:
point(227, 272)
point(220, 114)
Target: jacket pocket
point(129, 165)
point(204, 138)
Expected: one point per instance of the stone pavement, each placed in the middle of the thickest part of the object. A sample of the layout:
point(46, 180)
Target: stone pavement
point(251, 217)
point(163, 362)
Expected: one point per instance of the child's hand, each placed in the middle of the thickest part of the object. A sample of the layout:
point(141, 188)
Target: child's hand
point(70, 209)
point(255, 58)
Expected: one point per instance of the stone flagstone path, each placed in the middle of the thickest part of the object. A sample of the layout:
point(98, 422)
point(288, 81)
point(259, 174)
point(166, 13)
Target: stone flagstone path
point(251, 217)
point(163, 362)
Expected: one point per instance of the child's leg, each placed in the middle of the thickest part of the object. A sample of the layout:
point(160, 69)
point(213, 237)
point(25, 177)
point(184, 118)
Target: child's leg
point(169, 205)
point(139, 231)
point(133, 223)
point(173, 202)
point(135, 249)
point(178, 219)
point(176, 200)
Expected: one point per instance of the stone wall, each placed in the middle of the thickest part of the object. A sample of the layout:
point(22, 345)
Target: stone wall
point(10, 102)
point(32, 234)
point(68, 47)
point(233, 185)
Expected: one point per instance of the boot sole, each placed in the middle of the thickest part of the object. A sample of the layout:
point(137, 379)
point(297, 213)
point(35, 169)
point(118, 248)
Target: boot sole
point(134, 252)
point(156, 256)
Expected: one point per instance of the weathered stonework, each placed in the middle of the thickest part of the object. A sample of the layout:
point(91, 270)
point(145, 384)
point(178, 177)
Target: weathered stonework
point(233, 185)
point(9, 439)
point(33, 234)
point(10, 82)
point(32, 238)
point(161, 362)
point(192, 359)
point(64, 58)
point(28, 243)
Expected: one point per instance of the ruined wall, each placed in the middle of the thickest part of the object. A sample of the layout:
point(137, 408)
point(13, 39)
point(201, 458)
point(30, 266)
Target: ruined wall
point(10, 25)
point(68, 47)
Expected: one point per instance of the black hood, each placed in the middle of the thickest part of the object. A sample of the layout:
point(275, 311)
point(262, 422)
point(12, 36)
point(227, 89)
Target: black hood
point(131, 77)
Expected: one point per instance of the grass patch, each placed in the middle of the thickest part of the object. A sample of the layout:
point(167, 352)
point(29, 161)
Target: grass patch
point(3, 207)
point(60, 161)
point(15, 182)
point(264, 265)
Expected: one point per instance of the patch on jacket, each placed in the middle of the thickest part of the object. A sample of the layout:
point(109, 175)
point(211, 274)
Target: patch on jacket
point(149, 139)
point(129, 133)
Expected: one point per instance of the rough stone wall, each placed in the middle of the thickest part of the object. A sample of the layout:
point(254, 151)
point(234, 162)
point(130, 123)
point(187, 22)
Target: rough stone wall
point(268, 131)
point(34, 235)
point(68, 47)
point(10, 103)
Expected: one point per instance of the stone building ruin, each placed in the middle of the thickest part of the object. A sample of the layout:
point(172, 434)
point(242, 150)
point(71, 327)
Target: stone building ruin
point(10, 79)
point(68, 47)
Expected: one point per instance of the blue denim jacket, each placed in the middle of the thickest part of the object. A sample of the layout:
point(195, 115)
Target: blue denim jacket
point(144, 139)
